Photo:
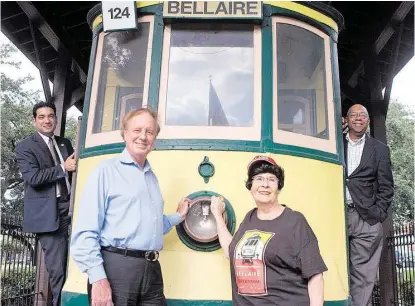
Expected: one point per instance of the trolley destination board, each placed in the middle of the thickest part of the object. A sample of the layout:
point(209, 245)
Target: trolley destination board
point(213, 9)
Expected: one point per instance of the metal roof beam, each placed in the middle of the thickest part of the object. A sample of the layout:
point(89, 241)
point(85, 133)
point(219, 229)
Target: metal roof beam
point(44, 28)
point(352, 94)
point(393, 24)
point(41, 64)
point(396, 19)
point(76, 96)
point(389, 82)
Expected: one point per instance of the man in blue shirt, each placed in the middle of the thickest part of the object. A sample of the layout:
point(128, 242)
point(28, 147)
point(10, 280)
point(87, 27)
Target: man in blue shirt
point(120, 222)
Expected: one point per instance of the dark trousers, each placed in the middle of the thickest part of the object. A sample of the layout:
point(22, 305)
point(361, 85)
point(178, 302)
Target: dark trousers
point(55, 247)
point(365, 248)
point(134, 281)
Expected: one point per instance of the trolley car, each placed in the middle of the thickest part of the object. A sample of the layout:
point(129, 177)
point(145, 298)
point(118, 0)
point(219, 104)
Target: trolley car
point(229, 80)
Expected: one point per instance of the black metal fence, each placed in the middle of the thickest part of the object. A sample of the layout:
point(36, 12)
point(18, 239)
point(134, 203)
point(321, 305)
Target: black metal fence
point(18, 264)
point(402, 245)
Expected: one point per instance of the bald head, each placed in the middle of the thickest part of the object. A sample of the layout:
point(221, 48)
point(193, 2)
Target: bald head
point(357, 108)
point(358, 121)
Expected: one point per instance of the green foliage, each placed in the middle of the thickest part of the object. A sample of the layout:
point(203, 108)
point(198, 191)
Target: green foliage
point(16, 246)
point(16, 106)
point(17, 281)
point(9, 246)
point(406, 291)
point(400, 132)
point(16, 124)
point(70, 130)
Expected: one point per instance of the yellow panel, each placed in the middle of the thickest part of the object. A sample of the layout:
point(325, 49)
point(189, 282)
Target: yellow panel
point(115, 80)
point(313, 187)
point(76, 281)
point(108, 112)
point(301, 9)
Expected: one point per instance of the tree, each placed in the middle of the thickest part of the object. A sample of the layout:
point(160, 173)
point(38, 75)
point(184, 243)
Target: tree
point(16, 124)
point(400, 133)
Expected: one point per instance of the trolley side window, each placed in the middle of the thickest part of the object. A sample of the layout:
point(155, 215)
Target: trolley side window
point(122, 72)
point(303, 99)
point(209, 81)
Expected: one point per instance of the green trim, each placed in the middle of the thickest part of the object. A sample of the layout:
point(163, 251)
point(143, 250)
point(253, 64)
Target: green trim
point(156, 9)
point(220, 145)
point(74, 299)
point(339, 133)
point(206, 169)
point(267, 108)
point(98, 29)
point(81, 299)
point(112, 148)
point(337, 97)
point(155, 65)
point(209, 246)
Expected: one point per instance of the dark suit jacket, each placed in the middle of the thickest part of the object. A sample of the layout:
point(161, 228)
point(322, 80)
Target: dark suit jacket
point(40, 177)
point(371, 184)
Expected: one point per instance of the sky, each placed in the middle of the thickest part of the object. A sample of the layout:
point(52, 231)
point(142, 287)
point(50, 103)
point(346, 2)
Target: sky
point(402, 88)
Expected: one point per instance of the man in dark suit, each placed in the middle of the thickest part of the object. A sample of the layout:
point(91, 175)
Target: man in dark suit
point(369, 193)
point(46, 162)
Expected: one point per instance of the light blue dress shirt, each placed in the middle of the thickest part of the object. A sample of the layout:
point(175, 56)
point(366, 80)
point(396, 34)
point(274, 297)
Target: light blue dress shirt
point(121, 206)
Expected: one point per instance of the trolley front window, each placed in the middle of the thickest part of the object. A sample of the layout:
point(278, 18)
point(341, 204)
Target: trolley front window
point(210, 82)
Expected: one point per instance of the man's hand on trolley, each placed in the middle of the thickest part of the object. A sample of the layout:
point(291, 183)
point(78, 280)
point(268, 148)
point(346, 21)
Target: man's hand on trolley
point(101, 293)
point(183, 207)
point(70, 163)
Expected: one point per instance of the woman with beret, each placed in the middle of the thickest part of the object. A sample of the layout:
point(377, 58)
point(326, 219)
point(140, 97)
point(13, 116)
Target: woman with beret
point(274, 255)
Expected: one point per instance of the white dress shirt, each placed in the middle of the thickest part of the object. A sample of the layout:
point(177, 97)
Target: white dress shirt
point(354, 155)
point(46, 139)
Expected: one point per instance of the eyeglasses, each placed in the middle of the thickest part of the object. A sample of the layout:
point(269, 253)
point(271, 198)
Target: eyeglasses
point(355, 115)
point(272, 180)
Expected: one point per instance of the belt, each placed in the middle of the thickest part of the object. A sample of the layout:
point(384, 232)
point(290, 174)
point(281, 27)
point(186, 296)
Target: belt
point(147, 255)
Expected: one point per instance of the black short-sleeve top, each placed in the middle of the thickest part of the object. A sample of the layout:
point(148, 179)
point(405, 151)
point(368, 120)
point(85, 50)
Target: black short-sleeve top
point(272, 260)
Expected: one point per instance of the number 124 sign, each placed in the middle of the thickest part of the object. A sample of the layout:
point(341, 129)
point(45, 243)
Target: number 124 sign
point(119, 15)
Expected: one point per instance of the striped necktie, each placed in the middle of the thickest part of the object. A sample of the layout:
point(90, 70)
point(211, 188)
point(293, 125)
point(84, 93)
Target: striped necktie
point(61, 184)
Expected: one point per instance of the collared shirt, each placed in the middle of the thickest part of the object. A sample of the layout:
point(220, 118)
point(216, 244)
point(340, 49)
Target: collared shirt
point(354, 155)
point(121, 206)
point(46, 139)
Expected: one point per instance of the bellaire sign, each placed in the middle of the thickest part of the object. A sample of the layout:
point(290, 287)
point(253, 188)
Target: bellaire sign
point(213, 9)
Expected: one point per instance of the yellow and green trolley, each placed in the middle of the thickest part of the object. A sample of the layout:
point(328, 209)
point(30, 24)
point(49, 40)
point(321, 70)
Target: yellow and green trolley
point(229, 80)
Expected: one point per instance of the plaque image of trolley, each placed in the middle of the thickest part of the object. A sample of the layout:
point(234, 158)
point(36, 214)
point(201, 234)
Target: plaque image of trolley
point(250, 249)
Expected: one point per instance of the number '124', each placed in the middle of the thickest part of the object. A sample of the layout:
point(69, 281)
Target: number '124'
point(117, 14)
